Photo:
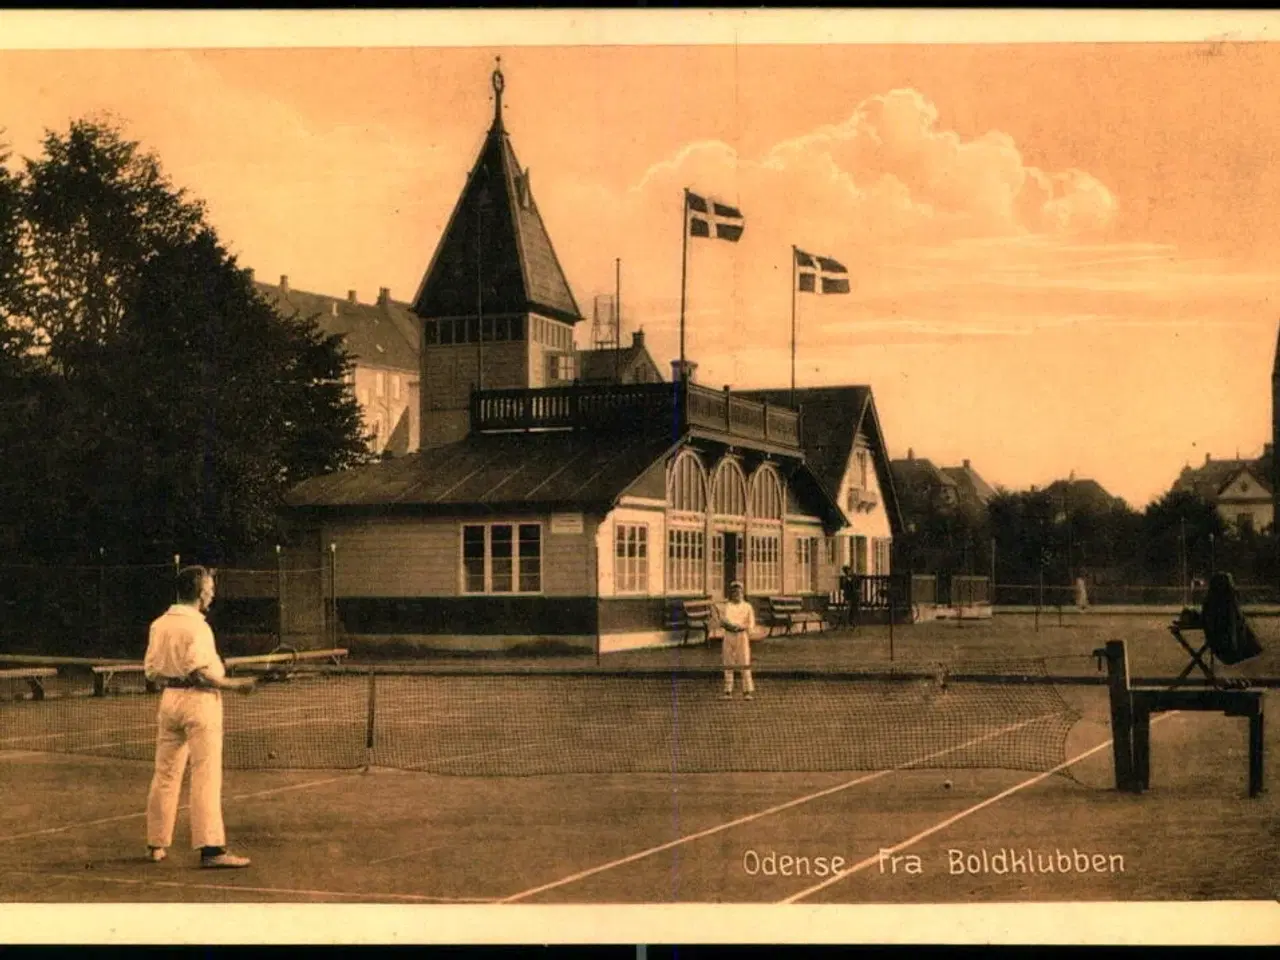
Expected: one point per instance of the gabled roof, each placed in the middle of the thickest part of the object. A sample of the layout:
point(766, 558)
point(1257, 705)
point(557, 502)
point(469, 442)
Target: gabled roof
point(496, 232)
point(1214, 476)
point(830, 419)
point(609, 364)
point(969, 483)
point(1078, 494)
point(922, 473)
point(383, 334)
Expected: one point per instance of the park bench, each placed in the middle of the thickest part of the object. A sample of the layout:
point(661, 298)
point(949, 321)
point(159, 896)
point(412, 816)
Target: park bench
point(694, 615)
point(33, 676)
point(788, 613)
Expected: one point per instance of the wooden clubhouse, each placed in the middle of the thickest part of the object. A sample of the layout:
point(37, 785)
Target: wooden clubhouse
point(547, 511)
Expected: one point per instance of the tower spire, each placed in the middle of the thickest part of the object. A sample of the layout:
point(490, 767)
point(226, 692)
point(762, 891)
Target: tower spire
point(498, 85)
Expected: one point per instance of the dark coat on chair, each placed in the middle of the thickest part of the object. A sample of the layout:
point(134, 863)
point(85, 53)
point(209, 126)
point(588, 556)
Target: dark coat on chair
point(1226, 630)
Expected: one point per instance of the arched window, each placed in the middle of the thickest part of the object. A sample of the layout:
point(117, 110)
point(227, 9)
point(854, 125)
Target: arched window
point(764, 538)
point(687, 484)
point(686, 525)
point(729, 492)
point(766, 495)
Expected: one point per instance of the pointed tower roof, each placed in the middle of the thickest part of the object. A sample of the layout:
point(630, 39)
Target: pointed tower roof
point(495, 254)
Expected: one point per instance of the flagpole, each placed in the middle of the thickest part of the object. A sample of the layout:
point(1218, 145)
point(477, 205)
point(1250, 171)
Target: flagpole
point(684, 267)
point(793, 325)
point(480, 293)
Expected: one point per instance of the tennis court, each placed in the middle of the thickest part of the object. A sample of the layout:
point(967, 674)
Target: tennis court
point(625, 828)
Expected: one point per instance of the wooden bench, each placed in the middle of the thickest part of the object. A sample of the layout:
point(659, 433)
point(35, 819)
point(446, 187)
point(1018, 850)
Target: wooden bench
point(789, 612)
point(696, 614)
point(34, 677)
point(1132, 706)
point(103, 672)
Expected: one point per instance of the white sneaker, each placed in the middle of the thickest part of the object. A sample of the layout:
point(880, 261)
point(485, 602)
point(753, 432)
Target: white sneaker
point(156, 854)
point(727, 695)
point(224, 861)
point(747, 696)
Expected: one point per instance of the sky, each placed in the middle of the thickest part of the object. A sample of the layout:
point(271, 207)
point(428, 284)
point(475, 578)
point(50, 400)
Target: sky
point(1063, 254)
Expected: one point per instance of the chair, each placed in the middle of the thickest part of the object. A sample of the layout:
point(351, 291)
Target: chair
point(1227, 635)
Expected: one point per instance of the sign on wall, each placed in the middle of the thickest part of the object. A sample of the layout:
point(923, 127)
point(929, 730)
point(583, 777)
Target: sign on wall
point(566, 523)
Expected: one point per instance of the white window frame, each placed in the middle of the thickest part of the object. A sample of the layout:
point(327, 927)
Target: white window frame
point(764, 561)
point(516, 565)
point(686, 559)
point(631, 569)
point(806, 574)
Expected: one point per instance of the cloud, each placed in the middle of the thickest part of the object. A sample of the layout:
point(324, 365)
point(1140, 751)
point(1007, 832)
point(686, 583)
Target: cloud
point(888, 187)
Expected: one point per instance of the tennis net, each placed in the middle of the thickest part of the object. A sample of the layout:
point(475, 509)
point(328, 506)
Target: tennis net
point(498, 720)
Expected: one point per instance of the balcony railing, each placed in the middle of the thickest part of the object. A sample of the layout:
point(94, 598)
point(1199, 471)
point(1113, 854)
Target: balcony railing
point(629, 407)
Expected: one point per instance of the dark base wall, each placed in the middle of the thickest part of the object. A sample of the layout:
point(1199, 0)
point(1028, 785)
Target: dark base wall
point(470, 616)
point(515, 616)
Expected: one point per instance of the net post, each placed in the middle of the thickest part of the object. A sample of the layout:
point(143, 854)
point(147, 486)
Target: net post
point(279, 595)
point(333, 595)
point(370, 714)
point(1121, 712)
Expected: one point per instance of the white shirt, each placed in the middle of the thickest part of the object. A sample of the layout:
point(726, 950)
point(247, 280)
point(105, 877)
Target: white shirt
point(179, 643)
point(740, 614)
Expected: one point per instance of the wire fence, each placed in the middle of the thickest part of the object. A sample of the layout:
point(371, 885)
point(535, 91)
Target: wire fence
point(105, 609)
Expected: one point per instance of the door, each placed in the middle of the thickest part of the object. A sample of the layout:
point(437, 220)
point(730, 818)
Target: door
point(732, 560)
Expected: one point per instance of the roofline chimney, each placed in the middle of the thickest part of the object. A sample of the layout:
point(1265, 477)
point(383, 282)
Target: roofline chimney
point(351, 297)
point(384, 296)
point(284, 283)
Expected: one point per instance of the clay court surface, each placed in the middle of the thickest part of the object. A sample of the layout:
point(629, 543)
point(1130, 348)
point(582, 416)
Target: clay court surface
point(71, 826)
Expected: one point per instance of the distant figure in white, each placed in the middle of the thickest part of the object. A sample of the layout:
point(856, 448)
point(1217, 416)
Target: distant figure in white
point(1082, 595)
point(738, 620)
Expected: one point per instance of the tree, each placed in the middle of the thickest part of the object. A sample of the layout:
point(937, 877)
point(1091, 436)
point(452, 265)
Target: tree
point(98, 209)
point(1176, 533)
point(177, 405)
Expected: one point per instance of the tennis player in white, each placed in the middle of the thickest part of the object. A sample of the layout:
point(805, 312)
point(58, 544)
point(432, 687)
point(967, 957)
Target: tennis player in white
point(738, 620)
point(181, 656)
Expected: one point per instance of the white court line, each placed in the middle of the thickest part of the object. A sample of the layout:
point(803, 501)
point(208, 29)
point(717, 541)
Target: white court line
point(912, 841)
point(867, 778)
point(407, 897)
point(186, 806)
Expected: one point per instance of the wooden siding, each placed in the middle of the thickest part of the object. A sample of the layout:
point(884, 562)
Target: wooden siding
point(422, 557)
point(396, 558)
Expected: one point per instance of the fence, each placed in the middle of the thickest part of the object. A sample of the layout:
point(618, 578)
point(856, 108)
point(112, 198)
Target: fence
point(105, 609)
point(1117, 594)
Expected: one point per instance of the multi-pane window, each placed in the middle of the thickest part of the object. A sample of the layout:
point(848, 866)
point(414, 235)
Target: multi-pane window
point(631, 558)
point(685, 485)
point(717, 560)
point(686, 570)
point(880, 565)
point(766, 495)
point(764, 563)
point(502, 558)
point(806, 556)
point(380, 383)
point(729, 496)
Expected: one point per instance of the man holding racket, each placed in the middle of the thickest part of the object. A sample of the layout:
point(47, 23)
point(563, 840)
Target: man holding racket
point(738, 620)
point(182, 657)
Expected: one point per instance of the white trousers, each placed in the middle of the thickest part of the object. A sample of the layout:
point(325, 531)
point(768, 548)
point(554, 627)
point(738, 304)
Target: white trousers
point(189, 727)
